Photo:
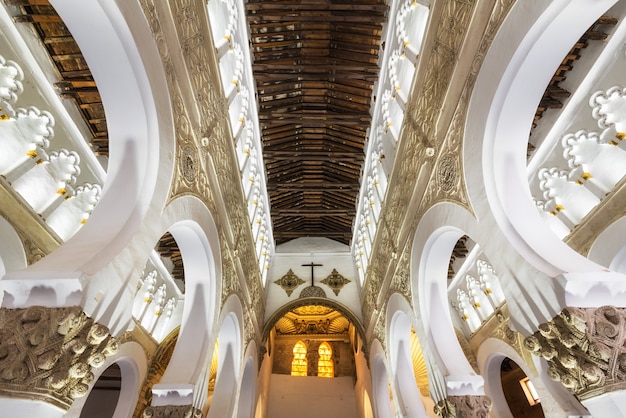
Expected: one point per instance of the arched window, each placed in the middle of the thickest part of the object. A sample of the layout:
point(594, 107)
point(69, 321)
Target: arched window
point(325, 366)
point(298, 364)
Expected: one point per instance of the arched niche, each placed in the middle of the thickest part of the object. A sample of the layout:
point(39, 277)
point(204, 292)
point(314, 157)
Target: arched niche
point(200, 250)
point(104, 395)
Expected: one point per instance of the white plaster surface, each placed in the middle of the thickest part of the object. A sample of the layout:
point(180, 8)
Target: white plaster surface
point(311, 397)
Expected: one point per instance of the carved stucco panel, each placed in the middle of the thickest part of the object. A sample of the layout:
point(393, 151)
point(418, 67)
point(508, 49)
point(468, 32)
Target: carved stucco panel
point(379, 332)
point(419, 129)
point(401, 282)
point(208, 146)
point(172, 411)
point(585, 349)
point(49, 353)
point(464, 407)
point(447, 181)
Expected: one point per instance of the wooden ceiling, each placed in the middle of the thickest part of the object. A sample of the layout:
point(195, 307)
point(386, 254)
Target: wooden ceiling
point(77, 83)
point(315, 65)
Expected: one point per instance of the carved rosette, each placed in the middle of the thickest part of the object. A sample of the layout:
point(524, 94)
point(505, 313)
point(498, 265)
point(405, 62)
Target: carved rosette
point(585, 349)
point(464, 407)
point(172, 411)
point(49, 353)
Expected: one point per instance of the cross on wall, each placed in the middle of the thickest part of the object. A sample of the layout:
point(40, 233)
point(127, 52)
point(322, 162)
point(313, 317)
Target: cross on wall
point(312, 265)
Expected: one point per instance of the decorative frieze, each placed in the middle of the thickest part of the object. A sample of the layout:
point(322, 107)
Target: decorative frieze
point(464, 407)
point(172, 411)
point(585, 350)
point(49, 353)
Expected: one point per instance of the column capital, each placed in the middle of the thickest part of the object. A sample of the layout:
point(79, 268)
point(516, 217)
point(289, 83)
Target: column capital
point(48, 354)
point(464, 407)
point(172, 411)
point(584, 348)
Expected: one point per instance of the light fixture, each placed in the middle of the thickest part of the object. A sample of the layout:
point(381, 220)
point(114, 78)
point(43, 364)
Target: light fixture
point(529, 391)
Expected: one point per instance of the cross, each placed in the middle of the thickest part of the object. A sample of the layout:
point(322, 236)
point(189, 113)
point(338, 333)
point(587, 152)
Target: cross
point(312, 265)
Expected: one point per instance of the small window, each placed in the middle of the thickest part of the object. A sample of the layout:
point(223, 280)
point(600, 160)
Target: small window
point(298, 364)
point(325, 366)
point(529, 391)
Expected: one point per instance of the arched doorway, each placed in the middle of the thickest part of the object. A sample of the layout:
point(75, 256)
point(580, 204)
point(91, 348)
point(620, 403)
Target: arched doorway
point(519, 391)
point(104, 395)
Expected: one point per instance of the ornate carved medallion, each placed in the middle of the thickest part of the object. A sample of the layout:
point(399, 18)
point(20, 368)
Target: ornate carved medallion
point(289, 282)
point(447, 173)
point(189, 164)
point(335, 281)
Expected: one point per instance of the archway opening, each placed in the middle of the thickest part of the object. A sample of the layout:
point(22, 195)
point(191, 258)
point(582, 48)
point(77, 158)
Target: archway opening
point(317, 338)
point(158, 304)
point(519, 392)
point(313, 357)
point(105, 394)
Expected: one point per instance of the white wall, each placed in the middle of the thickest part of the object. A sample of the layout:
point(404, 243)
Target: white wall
point(329, 253)
point(311, 397)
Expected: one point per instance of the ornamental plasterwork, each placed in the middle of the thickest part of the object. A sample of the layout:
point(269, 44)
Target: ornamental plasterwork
point(249, 331)
point(49, 353)
point(469, 353)
point(312, 310)
point(289, 282)
point(419, 127)
point(158, 364)
point(335, 281)
point(584, 348)
point(464, 407)
point(204, 147)
point(401, 281)
point(230, 280)
point(172, 411)
point(497, 326)
point(379, 332)
point(421, 117)
point(312, 292)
